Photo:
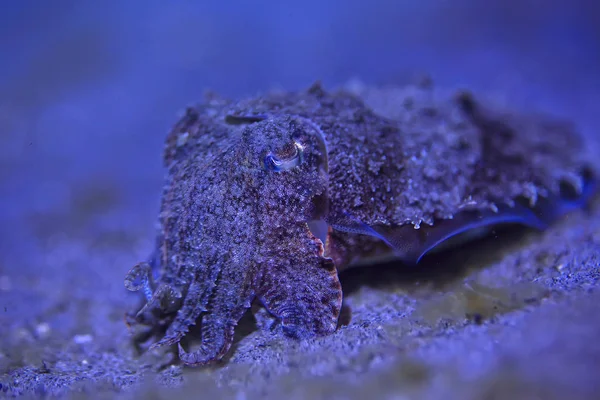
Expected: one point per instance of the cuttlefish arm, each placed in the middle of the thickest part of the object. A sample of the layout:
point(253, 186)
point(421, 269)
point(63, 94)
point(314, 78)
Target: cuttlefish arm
point(300, 286)
point(293, 280)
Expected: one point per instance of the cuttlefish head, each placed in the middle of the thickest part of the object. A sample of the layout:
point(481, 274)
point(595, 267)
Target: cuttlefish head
point(295, 281)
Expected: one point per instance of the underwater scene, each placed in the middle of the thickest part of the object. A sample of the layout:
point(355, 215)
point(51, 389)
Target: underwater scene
point(342, 199)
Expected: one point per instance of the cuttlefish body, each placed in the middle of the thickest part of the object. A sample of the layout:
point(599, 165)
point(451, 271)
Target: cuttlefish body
point(268, 198)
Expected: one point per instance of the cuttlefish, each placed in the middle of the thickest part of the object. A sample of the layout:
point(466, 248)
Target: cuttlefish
point(267, 198)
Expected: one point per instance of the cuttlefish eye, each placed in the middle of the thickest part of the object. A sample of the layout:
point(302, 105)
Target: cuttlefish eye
point(287, 158)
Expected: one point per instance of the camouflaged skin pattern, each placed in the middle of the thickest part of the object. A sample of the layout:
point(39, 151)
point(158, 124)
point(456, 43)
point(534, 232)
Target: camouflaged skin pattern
point(245, 178)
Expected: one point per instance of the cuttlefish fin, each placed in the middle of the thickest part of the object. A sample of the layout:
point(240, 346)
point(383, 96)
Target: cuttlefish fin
point(411, 245)
point(574, 194)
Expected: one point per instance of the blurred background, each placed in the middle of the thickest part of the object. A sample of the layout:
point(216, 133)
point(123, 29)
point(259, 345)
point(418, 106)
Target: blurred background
point(88, 89)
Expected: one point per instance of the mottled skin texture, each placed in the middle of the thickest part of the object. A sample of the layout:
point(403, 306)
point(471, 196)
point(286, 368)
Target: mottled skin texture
point(245, 179)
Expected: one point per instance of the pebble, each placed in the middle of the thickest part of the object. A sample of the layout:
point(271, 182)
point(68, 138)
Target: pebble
point(82, 339)
point(42, 330)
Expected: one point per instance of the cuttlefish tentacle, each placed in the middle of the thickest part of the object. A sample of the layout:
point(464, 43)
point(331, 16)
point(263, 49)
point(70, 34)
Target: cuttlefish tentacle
point(164, 299)
point(139, 277)
point(193, 305)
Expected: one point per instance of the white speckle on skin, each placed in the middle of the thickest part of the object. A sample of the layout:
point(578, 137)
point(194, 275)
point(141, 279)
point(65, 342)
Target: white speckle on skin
point(182, 138)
